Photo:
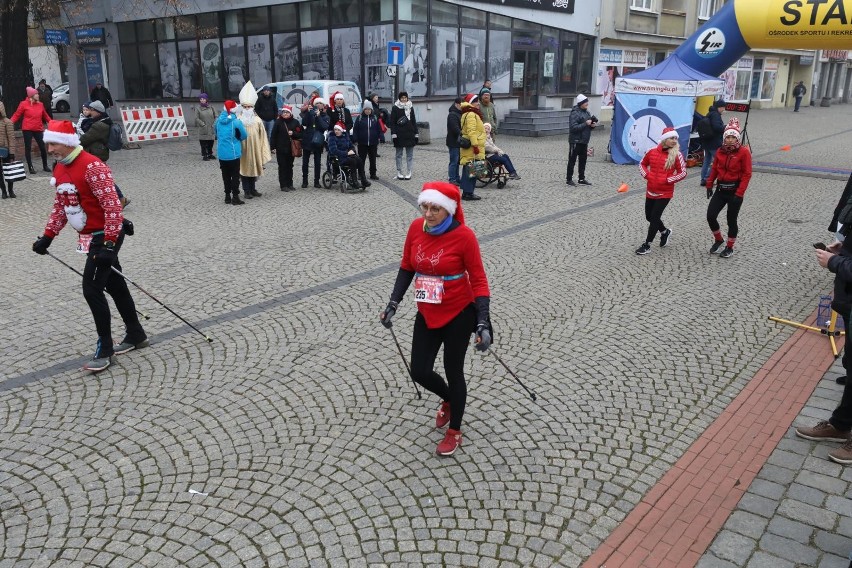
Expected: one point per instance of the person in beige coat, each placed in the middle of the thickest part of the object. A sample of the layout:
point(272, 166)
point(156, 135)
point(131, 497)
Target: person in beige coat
point(256, 146)
point(7, 142)
point(205, 116)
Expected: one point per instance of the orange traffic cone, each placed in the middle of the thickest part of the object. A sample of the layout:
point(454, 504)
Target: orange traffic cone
point(623, 188)
point(786, 148)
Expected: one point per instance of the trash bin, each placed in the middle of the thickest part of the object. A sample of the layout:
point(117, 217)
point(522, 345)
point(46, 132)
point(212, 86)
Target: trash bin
point(425, 133)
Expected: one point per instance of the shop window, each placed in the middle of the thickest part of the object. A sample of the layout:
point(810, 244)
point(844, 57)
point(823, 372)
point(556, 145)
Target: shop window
point(498, 22)
point(416, 10)
point(549, 60)
point(126, 33)
point(165, 29)
point(524, 25)
point(585, 63)
point(375, 56)
point(444, 13)
point(259, 60)
point(190, 68)
point(444, 45)
point(256, 20)
point(472, 60)
point(231, 22)
point(185, 27)
point(130, 70)
point(499, 60)
point(313, 14)
point(414, 73)
point(378, 10)
point(145, 30)
point(770, 74)
point(169, 80)
point(346, 54)
point(315, 55)
point(236, 70)
point(286, 56)
point(472, 18)
point(211, 68)
point(149, 73)
point(208, 25)
point(568, 63)
point(284, 17)
point(345, 12)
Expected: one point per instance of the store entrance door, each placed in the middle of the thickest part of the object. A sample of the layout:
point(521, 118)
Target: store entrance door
point(525, 77)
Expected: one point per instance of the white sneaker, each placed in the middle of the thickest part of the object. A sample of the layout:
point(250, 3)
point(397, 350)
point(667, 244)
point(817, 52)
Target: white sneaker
point(408, 176)
point(399, 175)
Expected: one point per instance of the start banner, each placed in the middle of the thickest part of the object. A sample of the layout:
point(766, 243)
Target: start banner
point(144, 124)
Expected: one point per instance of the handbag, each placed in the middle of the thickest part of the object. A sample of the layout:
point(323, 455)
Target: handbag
point(14, 171)
point(463, 142)
point(402, 121)
point(317, 139)
point(477, 168)
point(4, 152)
point(382, 125)
point(296, 148)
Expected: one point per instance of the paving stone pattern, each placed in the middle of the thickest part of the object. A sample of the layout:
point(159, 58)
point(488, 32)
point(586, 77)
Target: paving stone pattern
point(295, 438)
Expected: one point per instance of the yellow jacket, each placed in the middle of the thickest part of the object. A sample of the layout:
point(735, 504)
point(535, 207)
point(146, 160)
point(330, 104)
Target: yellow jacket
point(472, 129)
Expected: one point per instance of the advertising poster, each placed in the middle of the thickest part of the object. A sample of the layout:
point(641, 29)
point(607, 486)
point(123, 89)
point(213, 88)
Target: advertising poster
point(169, 85)
point(315, 55)
point(346, 50)
point(414, 71)
point(260, 60)
point(286, 56)
point(190, 69)
point(211, 65)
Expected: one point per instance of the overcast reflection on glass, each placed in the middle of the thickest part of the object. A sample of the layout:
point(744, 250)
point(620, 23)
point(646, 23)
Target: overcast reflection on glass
point(434, 209)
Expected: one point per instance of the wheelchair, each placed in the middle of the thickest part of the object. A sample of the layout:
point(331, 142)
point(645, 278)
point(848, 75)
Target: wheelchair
point(492, 173)
point(336, 174)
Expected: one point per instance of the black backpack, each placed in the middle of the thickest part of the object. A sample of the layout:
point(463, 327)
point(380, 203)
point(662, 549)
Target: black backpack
point(704, 128)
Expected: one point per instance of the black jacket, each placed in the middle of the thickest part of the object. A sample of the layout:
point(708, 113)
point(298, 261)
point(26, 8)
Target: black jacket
point(453, 127)
point(841, 265)
point(718, 126)
point(265, 107)
point(406, 134)
point(580, 132)
point(334, 115)
point(281, 135)
point(313, 121)
point(101, 94)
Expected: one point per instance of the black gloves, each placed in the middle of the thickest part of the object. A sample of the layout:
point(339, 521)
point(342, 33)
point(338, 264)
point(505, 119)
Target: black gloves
point(388, 314)
point(127, 227)
point(709, 192)
point(483, 337)
point(42, 244)
point(105, 256)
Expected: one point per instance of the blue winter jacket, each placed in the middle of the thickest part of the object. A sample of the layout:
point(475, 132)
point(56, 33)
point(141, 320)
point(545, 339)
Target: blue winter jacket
point(366, 130)
point(339, 145)
point(226, 127)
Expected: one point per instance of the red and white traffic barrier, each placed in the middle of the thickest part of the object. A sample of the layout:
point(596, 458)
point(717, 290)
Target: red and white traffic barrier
point(143, 124)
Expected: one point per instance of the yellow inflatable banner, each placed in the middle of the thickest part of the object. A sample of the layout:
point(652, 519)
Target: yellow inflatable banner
point(791, 24)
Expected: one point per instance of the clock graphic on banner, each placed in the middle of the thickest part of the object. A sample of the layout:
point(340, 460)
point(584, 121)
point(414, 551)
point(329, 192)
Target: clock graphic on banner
point(643, 129)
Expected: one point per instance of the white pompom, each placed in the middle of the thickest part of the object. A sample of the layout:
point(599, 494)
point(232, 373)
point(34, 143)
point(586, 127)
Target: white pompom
point(53, 181)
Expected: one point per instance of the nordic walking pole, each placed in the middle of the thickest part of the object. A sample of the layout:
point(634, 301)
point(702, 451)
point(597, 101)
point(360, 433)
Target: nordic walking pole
point(144, 291)
point(143, 314)
point(399, 348)
point(505, 366)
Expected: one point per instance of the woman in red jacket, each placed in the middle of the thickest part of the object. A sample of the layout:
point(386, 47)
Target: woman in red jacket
point(662, 166)
point(35, 117)
point(731, 171)
point(441, 255)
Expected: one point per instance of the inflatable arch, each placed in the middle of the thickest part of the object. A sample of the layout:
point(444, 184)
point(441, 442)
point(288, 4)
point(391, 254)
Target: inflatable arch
point(664, 94)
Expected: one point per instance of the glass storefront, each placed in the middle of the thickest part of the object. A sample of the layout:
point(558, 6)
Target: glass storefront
point(449, 50)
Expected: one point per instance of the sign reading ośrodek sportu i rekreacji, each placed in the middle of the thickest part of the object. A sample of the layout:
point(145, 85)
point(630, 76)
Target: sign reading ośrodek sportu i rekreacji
point(564, 6)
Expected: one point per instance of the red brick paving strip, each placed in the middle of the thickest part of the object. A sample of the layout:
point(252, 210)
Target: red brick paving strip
point(680, 516)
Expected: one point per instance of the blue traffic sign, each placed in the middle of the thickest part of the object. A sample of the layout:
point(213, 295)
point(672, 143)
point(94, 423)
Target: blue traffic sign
point(396, 52)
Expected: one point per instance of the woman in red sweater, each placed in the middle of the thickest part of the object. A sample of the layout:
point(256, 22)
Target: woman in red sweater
point(731, 171)
point(441, 255)
point(662, 166)
point(35, 117)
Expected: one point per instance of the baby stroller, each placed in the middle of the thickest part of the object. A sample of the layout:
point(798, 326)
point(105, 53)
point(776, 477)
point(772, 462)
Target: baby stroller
point(335, 174)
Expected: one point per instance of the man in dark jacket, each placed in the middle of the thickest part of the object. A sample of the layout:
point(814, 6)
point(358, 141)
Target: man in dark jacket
point(316, 123)
point(453, 133)
point(581, 123)
point(799, 91)
point(101, 93)
point(712, 143)
point(266, 110)
point(838, 259)
point(45, 95)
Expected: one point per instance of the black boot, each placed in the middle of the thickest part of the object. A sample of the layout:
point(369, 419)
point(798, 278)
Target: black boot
point(236, 200)
point(12, 193)
point(4, 192)
point(304, 182)
point(32, 169)
point(255, 193)
point(227, 198)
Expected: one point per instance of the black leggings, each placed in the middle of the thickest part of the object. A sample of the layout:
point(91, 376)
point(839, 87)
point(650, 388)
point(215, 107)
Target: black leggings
point(425, 343)
point(306, 159)
point(231, 175)
point(578, 152)
point(96, 280)
point(28, 152)
point(654, 215)
point(717, 203)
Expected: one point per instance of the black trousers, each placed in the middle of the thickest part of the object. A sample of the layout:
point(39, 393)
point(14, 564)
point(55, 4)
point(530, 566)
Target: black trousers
point(425, 344)
point(355, 165)
point(306, 156)
point(231, 175)
point(96, 280)
point(841, 418)
point(654, 215)
point(206, 148)
point(28, 152)
point(248, 184)
point(577, 154)
point(285, 169)
point(718, 202)
point(3, 182)
point(369, 152)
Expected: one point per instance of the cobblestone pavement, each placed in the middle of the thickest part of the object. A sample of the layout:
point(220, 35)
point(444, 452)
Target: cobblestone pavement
point(295, 438)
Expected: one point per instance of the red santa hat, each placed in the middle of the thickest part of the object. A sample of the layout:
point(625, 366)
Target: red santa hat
point(61, 132)
point(669, 132)
point(733, 128)
point(471, 98)
point(443, 194)
point(230, 105)
point(340, 126)
point(286, 108)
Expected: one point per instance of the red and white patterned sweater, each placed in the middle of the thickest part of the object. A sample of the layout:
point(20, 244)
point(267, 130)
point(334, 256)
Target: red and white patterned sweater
point(85, 198)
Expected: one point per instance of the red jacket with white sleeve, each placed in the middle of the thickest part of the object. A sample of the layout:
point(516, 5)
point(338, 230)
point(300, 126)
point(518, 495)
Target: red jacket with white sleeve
point(85, 198)
point(661, 181)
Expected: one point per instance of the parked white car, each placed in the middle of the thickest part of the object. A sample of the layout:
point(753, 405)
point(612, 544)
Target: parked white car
point(60, 98)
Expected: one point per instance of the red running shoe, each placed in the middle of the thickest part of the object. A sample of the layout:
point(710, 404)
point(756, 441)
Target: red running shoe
point(451, 442)
point(443, 416)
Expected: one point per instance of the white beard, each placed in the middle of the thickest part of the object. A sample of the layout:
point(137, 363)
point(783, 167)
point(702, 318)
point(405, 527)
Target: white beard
point(247, 116)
